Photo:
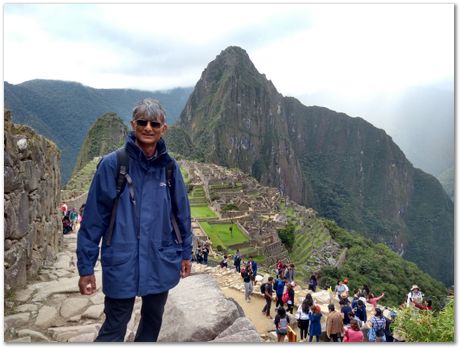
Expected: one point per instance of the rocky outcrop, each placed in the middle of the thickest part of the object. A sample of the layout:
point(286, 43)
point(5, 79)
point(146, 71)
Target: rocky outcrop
point(31, 197)
point(343, 167)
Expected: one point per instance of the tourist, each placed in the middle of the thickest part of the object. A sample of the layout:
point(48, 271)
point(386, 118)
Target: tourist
point(290, 297)
point(289, 274)
point(205, 252)
point(253, 264)
point(279, 289)
point(66, 225)
point(224, 262)
point(426, 305)
point(378, 324)
point(360, 311)
point(142, 255)
point(268, 293)
point(339, 289)
point(365, 291)
point(345, 309)
point(389, 327)
point(303, 319)
point(63, 208)
point(279, 269)
point(312, 283)
point(352, 316)
point(80, 213)
point(237, 261)
point(309, 300)
point(281, 324)
point(246, 273)
point(334, 324)
point(414, 296)
point(73, 217)
point(315, 323)
point(199, 254)
point(372, 299)
point(353, 333)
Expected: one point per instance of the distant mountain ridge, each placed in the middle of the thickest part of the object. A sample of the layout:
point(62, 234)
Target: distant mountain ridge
point(63, 111)
point(343, 167)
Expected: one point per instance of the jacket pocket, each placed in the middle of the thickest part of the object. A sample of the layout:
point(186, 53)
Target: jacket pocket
point(115, 255)
point(167, 264)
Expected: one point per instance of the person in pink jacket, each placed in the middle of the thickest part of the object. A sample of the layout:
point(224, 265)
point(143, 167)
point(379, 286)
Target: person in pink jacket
point(373, 300)
point(353, 333)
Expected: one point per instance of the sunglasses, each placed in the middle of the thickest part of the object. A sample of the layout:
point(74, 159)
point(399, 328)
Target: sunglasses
point(153, 124)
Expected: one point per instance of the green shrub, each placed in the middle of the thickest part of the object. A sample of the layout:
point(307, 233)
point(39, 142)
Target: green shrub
point(426, 326)
point(287, 236)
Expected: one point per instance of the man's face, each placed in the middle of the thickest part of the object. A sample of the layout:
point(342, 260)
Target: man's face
point(148, 133)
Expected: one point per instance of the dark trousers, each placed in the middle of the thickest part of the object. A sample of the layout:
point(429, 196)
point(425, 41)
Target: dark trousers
point(303, 327)
point(311, 338)
point(336, 337)
point(279, 301)
point(267, 306)
point(118, 313)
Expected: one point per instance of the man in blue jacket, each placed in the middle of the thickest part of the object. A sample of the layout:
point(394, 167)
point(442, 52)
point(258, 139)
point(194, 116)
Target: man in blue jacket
point(144, 257)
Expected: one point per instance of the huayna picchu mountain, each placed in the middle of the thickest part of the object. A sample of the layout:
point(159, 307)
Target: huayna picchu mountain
point(345, 168)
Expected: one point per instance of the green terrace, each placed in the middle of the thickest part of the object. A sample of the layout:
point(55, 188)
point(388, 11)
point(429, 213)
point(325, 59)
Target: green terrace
point(305, 242)
point(220, 234)
point(202, 211)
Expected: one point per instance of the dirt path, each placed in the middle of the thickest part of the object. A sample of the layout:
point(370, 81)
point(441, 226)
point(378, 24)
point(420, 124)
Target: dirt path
point(253, 311)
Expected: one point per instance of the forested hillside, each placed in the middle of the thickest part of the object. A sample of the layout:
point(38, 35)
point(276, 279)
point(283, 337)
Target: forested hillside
point(63, 111)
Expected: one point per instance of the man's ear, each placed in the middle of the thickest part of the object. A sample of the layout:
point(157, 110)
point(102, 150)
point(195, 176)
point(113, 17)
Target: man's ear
point(165, 128)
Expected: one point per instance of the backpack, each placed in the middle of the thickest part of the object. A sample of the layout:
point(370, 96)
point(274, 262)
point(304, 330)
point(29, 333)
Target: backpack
point(283, 326)
point(285, 297)
point(262, 288)
point(123, 178)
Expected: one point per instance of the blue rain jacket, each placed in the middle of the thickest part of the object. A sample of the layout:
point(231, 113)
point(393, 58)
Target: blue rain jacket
point(144, 257)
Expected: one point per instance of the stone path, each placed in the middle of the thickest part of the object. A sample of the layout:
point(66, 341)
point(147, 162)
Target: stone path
point(51, 308)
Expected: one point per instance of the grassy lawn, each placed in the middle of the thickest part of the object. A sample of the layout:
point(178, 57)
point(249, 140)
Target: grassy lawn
point(220, 234)
point(202, 212)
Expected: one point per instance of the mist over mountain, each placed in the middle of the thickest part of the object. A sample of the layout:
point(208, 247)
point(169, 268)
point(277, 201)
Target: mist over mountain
point(63, 111)
point(344, 167)
point(419, 119)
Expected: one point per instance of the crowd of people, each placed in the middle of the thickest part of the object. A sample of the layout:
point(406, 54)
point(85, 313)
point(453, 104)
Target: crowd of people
point(343, 324)
point(71, 218)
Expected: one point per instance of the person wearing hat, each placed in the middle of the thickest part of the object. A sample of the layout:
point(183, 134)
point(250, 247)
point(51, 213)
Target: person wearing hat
point(414, 296)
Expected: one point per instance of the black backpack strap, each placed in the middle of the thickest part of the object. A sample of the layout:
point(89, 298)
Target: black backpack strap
point(169, 180)
point(122, 170)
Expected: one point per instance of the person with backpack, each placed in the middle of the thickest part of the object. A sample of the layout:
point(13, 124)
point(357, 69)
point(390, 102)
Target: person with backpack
point(303, 319)
point(414, 296)
point(377, 330)
point(253, 264)
point(288, 297)
point(281, 324)
point(138, 206)
point(345, 309)
point(360, 311)
point(279, 289)
point(267, 290)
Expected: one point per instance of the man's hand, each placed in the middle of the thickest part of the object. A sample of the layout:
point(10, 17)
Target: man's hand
point(87, 284)
point(185, 268)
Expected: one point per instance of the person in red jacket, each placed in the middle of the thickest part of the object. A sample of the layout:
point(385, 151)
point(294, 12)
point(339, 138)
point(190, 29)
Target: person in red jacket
point(426, 305)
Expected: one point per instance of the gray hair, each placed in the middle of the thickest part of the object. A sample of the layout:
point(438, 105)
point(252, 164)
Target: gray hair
point(149, 107)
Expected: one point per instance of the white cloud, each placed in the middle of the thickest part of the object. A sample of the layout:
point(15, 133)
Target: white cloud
point(349, 49)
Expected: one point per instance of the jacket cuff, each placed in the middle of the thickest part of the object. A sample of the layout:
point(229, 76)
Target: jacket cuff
point(84, 270)
point(187, 254)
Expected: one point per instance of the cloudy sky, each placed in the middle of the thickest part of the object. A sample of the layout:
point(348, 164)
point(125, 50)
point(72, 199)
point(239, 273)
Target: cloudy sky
point(352, 50)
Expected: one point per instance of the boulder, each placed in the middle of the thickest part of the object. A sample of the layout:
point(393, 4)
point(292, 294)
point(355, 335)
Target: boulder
point(46, 316)
point(196, 311)
point(241, 331)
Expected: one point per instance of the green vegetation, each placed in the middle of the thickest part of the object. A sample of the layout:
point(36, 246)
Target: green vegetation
point(106, 134)
point(380, 268)
point(287, 236)
point(82, 179)
point(220, 234)
point(202, 212)
point(426, 326)
point(63, 111)
point(230, 207)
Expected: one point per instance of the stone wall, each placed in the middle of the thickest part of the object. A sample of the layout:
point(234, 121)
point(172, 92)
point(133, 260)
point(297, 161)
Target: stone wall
point(32, 181)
